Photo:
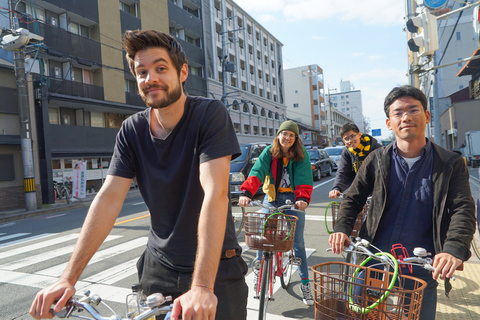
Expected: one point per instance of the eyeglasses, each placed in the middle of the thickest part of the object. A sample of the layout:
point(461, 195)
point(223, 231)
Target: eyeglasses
point(351, 137)
point(411, 112)
point(288, 135)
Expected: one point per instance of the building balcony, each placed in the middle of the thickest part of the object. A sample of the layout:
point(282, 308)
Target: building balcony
point(77, 89)
point(67, 43)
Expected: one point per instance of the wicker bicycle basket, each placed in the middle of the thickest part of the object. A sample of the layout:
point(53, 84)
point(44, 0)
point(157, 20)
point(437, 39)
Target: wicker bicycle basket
point(358, 223)
point(269, 232)
point(344, 292)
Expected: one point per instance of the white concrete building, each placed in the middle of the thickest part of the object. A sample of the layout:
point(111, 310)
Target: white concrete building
point(252, 86)
point(304, 95)
point(348, 101)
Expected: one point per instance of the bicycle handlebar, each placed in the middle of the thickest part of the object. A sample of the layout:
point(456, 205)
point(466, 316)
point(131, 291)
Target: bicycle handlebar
point(360, 246)
point(272, 209)
point(88, 303)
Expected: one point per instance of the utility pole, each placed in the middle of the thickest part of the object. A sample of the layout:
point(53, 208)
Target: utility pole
point(24, 117)
point(436, 120)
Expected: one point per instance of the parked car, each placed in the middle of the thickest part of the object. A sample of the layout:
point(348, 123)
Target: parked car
point(335, 153)
point(322, 164)
point(241, 166)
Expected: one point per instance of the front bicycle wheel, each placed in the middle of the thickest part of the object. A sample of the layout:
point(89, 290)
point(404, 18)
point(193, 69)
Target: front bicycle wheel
point(476, 244)
point(238, 214)
point(264, 285)
point(286, 268)
point(66, 194)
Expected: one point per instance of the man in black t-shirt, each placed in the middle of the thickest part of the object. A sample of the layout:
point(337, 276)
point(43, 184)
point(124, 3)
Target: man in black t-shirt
point(179, 150)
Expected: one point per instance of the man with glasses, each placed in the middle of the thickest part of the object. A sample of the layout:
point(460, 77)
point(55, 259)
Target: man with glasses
point(358, 148)
point(420, 197)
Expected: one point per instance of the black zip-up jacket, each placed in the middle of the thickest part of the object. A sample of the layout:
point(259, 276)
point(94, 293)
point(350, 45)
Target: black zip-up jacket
point(453, 205)
point(345, 172)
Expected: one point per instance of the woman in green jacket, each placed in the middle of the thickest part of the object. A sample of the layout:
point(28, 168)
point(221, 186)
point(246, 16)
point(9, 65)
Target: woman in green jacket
point(284, 169)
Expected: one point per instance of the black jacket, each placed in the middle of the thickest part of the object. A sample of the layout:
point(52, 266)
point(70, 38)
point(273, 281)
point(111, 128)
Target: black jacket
point(346, 172)
point(453, 205)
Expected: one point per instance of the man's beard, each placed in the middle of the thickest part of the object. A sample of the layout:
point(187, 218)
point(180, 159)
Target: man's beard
point(171, 97)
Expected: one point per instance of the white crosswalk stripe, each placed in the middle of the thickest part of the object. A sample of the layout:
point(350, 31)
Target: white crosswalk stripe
point(36, 237)
point(57, 270)
point(55, 249)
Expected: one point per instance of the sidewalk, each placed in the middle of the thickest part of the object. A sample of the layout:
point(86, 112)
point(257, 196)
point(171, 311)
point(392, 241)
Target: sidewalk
point(464, 301)
point(60, 205)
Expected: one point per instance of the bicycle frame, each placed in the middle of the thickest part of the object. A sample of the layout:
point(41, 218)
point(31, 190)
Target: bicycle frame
point(276, 269)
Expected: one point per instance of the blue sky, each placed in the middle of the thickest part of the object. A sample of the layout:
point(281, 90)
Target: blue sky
point(360, 41)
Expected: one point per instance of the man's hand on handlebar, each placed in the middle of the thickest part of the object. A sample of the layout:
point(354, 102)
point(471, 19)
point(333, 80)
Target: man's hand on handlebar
point(198, 303)
point(334, 194)
point(59, 292)
point(244, 201)
point(337, 241)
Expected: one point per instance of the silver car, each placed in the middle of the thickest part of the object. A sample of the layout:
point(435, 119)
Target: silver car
point(335, 153)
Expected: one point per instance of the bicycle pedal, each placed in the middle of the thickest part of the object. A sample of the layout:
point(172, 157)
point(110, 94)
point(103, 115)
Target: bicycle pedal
point(271, 299)
point(296, 261)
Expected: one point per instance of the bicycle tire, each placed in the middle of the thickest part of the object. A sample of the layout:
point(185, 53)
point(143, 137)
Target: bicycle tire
point(476, 244)
point(63, 193)
point(286, 268)
point(266, 272)
point(238, 214)
point(66, 194)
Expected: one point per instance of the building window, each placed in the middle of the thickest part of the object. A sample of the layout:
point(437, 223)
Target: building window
point(246, 128)
point(237, 127)
point(264, 131)
point(295, 105)
point(196, 71)
point(130, 86)
point(255, 130)
point(97, 119)
point(53, 116)
point(461, 63)
point(458, 35)
point(130, 9)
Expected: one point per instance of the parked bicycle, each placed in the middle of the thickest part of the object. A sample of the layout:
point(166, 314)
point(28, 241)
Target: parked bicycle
point(61, 191)
point(372, 289)
point(273, 233)
point(155, 304)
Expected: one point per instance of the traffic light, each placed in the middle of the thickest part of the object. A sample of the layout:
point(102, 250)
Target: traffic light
point(424, 38)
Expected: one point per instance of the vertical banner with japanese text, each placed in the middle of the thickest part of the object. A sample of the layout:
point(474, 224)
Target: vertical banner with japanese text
point(79, 181)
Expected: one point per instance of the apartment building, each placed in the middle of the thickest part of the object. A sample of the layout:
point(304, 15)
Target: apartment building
point(304, 98)
point(243, 67)
point(345, 105)
point(81, 87)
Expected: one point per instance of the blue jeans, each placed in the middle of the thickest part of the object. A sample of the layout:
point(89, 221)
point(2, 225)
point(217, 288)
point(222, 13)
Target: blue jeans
point(299, 242)
point(429, 302)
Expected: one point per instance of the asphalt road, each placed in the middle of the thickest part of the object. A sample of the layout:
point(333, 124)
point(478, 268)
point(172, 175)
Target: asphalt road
point(34, 252)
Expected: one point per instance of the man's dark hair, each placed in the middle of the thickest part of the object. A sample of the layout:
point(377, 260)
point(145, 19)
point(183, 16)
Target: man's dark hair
point(404, 91)
point(347, 127)
point(137, 40)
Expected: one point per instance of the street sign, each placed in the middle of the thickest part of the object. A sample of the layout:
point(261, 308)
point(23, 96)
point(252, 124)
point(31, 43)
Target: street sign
point(376, 132)
point(434, 4)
